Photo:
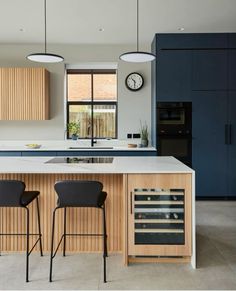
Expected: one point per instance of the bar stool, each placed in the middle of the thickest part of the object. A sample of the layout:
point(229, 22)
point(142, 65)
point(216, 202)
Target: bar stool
point(13, 194)
point(79, 194)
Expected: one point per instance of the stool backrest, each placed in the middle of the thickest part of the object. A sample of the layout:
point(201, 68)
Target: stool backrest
point(10, 192)
point(79, 193)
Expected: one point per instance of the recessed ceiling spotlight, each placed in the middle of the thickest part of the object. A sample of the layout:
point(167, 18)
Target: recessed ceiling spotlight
point(22, 30)
point(101, 29)
point(181, 29)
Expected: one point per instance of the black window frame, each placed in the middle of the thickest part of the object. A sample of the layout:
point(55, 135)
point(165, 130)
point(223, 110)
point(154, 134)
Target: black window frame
point(92, 103)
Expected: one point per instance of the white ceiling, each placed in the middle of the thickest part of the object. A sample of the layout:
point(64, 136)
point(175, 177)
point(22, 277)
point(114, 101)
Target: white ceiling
point(78, 21)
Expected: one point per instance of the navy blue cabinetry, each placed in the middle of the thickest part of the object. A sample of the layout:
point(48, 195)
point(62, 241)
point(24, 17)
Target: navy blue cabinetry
point(192, 40)
point(174, 75)
point(107, 153)
point(209, 70)
point(209, 147)
point(231, 40)
point(36, 153)
point(232, 143)
point(202, 68)
point(232, 69)
point(10, 154)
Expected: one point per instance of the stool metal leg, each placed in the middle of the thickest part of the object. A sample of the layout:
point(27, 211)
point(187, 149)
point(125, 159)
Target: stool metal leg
point(105, 228)
point(64, 241)
point(104, 245)
point(39, 228)
point(27, 244)
point(52, 242)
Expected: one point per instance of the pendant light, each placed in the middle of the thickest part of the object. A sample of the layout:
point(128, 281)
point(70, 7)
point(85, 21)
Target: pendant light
point(137, 56)
point(45, 57)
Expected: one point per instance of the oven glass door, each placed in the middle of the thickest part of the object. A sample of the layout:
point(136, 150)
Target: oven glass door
point(179, 147)
point(170, 116)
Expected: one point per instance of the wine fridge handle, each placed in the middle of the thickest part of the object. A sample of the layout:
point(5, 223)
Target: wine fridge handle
point(131, 203)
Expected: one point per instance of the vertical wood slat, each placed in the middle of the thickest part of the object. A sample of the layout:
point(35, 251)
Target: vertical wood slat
point(83, 220)
point(24, 94)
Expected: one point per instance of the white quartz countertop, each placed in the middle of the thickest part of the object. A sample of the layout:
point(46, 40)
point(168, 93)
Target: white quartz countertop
point(120, 165)
point(80, 145)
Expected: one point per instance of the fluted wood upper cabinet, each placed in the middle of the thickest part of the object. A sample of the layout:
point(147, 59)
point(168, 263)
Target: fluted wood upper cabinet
point(24, 94)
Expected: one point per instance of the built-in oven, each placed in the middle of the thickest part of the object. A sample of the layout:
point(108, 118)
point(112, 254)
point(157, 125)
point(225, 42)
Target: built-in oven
point(173, 117)
point(178, 146)
point(174, 130)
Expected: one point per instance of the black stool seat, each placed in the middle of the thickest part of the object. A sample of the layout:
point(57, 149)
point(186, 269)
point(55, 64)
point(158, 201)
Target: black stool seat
point(13, 194)
point(79, 194)
point(28, 196)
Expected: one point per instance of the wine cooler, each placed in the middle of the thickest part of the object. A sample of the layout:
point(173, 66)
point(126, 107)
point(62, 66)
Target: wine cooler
point(158, 216)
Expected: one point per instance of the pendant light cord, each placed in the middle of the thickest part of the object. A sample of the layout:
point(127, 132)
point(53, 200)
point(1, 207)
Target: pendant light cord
point(137, 25)
point(45, 26)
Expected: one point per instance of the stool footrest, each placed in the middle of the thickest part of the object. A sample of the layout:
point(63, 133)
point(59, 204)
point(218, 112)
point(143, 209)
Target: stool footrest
point(34, 245)
point(73, 234)
point(84, 234)
point(20, 234)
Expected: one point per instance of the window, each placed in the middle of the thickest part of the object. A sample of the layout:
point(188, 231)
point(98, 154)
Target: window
point(92, 101)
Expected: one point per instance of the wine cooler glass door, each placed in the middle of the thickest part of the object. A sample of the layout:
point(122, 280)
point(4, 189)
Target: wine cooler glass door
point(158, 216)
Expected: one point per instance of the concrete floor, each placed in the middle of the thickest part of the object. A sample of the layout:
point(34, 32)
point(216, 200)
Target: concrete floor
point(216, 253)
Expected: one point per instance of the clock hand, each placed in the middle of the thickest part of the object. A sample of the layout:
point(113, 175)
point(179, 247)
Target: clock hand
point(134, 82)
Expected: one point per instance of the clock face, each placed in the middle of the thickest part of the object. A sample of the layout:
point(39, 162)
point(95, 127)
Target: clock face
point(134, 81)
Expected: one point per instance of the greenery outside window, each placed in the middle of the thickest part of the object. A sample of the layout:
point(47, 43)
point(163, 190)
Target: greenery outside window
point(92, 101)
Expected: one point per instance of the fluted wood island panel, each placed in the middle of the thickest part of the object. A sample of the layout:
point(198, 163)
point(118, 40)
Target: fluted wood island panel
point(150, 207)
point(86, 220)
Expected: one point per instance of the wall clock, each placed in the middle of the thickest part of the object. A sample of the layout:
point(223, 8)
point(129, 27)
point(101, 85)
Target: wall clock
point(134, 81)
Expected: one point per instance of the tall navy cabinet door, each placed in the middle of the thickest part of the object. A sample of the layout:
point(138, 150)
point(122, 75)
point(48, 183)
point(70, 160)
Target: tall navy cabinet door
point(173, 75)
point(232, 146)
point(209, 148)
point(232, 68)
point(209, 70)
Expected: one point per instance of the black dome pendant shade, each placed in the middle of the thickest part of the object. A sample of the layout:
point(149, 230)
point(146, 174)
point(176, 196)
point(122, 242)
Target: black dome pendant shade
point(45, 57)
point(137, 56)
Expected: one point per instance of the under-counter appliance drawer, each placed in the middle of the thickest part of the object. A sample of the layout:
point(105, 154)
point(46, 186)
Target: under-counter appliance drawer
point(178, 146)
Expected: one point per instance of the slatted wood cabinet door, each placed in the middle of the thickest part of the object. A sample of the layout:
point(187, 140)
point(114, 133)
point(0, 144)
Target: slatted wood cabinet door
point(24, 94)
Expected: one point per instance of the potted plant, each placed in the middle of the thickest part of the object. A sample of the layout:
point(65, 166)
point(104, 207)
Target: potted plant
point(73, 129)
point(144, 134)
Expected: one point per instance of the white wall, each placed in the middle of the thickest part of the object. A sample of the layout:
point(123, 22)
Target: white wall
point(132, 106)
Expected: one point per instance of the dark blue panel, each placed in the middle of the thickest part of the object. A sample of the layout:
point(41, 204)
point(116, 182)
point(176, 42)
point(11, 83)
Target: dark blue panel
point(9, 154)
point(39, 154)
point(107, 153)
point(232, 40)
point(174, 68)
point(232, 69)
point(83, 153)
point(209, 148)
point(191, 41)
point(232, 146)
point(209, 70)
point(154, 96)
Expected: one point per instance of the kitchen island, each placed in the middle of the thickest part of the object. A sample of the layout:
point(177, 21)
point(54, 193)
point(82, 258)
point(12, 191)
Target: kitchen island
point(150, 205)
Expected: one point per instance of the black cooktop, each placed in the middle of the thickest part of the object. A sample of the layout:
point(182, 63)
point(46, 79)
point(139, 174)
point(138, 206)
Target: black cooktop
point(81, 160)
